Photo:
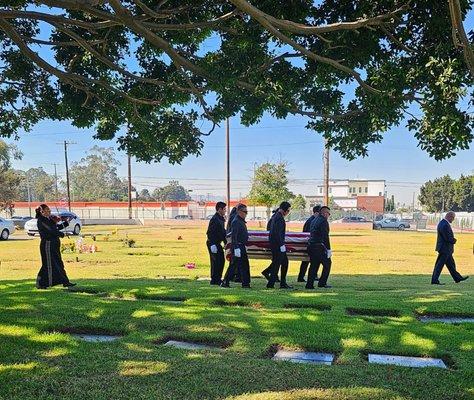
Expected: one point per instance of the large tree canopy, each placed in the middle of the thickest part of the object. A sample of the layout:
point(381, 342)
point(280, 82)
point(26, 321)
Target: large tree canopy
point(354, 68)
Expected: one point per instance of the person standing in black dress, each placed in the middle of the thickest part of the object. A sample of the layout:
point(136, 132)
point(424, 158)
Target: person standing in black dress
point(52, 270)
point(216, 235)
point(307, 228)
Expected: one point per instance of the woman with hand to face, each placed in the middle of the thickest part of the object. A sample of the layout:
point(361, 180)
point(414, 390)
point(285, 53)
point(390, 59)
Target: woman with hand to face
point(52, 270)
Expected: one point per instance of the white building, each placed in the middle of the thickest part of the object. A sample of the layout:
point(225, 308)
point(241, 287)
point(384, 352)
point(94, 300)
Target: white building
point(345, 192)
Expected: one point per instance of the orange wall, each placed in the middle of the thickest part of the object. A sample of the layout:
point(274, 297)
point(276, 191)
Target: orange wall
point(371, 203)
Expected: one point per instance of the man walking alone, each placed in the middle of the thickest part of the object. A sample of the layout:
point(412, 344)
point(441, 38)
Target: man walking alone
point(445, 247)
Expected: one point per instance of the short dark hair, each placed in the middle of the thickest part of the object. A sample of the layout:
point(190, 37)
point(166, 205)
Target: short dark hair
point(316, 208)
point(241, 206)
point(285, 206)
point(324, 207)
point(220, 204)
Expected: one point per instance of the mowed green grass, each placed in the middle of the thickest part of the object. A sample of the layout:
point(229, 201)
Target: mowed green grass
point(147, 295)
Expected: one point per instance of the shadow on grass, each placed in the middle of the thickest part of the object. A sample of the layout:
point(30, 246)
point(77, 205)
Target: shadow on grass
point(27, 315)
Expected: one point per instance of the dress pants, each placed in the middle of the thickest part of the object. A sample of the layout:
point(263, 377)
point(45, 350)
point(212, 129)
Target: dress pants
point(442, 260)
point(217, 264)
point(279, 259)
point(241, 264)
point(317, 255)
point(303, 268)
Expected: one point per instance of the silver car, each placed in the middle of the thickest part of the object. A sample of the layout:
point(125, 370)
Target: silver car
point(7, 227)
point(391, 223)
point(75, 224)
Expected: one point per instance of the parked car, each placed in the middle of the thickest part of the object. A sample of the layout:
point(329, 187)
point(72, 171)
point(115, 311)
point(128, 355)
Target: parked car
point(7, 227)
point(183, 216)
point(354, 219)
point(20, 221)
point(75, 224)
point(391, 223)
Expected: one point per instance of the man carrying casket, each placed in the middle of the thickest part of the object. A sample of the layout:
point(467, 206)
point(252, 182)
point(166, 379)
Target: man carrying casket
point(276, 238)
point(319, 249)
point(216, 234)
point(307, 228)
point(239, 238)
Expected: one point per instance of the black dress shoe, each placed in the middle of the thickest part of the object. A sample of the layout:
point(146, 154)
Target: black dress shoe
point(309, 287)
point(438, 283)
point(41, 287)
point(224, 285)
point(277, 280)
point(270, 286)
point(325, 286)
point(286, 286)
point(462, 279)
point(69, 284)
point(301, 280)
point(246, 287)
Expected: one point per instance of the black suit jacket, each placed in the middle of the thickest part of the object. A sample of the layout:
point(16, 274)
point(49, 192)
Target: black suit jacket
point(307, 224)
point(445, 241)
point(319, 232)
point(239, 233)
point(216, 233)
point(276, 236)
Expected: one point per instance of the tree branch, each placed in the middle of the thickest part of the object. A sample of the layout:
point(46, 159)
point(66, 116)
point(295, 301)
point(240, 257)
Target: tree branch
point(459, 34)
point(66, 77)
point(294, 27)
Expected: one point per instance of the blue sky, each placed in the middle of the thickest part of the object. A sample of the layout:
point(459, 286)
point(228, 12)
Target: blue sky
point(396, 159)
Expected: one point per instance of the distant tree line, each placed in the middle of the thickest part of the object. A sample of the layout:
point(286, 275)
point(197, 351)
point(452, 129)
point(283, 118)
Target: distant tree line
point(93, 178)
point(445, 193)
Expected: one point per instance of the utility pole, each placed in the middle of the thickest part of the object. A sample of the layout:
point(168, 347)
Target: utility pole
point(326, 173)
point(254, 171)
point(29, 193)
point(129, 161)
point(66, 143)
point(227, 147)
point(56, 180)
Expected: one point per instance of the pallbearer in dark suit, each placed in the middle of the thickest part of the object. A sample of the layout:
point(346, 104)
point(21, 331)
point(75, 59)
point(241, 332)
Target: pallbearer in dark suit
point(307, 228)
point(445, 247)
point(239, 239)
point(268, 271)
point(319, 249)
point(216, 235)
point(276, 238)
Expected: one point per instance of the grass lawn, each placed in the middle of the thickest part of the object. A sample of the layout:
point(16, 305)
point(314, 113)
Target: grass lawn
point(145, 294)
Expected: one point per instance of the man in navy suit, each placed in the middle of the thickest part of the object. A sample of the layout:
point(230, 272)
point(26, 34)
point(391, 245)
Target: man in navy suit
point(445, 248)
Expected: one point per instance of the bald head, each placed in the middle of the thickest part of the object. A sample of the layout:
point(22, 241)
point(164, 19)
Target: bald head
point(450, 215)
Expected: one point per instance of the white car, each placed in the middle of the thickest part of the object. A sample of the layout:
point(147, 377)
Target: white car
point(75, 224)
point(7, 227)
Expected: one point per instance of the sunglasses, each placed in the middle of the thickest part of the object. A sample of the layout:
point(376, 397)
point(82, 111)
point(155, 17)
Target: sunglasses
point(244, 211)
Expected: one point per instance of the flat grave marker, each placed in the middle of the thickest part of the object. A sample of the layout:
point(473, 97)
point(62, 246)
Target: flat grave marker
point(304, 357)
point(404, 361)
point(95, 338)
point(189, 345)
point(447, 320)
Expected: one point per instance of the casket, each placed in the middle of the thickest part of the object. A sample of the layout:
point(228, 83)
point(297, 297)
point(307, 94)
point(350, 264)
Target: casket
point(258, 246)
